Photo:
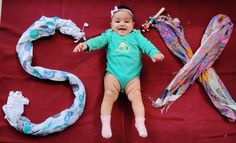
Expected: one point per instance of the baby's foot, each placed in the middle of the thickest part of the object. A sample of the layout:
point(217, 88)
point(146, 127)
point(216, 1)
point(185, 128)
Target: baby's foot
point(139, 124)
point(106, 127)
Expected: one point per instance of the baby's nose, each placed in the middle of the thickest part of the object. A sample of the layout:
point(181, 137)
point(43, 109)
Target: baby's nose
point(122, 23)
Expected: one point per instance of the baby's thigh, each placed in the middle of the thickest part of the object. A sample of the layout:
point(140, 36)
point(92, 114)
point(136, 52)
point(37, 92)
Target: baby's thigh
point(111, 83)
point(133, 86)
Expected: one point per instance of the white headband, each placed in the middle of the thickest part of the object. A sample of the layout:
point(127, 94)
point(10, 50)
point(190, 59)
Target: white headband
point(116, 9)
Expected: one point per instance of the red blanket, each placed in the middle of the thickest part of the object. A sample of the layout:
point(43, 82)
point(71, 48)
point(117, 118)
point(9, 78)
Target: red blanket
point(192, 118)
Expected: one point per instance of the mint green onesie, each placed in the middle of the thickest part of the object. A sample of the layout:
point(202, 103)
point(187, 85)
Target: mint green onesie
point(123, 53)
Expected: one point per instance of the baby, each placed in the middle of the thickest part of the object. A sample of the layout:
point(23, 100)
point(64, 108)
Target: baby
point(125, 46)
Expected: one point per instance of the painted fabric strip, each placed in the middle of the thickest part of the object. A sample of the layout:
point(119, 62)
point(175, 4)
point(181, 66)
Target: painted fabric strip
point(15, 104)
point(197, 66)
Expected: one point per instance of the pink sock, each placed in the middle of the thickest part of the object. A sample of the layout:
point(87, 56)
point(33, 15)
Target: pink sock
point(106, 127)
point(139, 124)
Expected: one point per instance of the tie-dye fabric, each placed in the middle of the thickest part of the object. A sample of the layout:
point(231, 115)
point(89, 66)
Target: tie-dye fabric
point(197, 66)
point(15, 105)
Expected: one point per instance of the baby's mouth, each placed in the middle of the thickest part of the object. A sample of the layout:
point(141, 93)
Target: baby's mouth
point(122, 29)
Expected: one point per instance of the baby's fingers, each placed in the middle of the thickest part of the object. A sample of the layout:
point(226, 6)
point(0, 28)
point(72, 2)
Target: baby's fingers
point(160, 57)
point(76, 49)
point(154, 60)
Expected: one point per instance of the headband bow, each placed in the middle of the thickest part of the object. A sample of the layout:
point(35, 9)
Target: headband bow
point(114, 11)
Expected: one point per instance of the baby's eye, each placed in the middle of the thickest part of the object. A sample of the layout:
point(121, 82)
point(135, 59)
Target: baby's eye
point(127, 21)
point(117, 21)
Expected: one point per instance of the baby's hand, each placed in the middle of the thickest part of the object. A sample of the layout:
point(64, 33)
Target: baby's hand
point(80, 47)
point(158, 57)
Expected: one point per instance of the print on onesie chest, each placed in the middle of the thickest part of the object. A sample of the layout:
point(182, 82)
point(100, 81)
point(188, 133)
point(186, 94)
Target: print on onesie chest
point(123, 47)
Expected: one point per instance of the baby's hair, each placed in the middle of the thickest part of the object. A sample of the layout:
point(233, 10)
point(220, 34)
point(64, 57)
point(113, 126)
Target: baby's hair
point(124, 7)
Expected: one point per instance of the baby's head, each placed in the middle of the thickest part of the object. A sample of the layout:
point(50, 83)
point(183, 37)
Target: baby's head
point(122, 20)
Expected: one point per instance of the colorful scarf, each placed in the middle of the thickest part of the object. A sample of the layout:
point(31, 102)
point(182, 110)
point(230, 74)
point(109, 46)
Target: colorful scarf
point(15, 105)
point(197, 66)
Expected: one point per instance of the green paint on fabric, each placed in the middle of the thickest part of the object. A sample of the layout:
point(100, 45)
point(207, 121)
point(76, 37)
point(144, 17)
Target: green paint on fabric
point(34, 34)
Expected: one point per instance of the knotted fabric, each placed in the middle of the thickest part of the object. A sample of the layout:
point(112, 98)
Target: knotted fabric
point(197, 66)
point(15, 105)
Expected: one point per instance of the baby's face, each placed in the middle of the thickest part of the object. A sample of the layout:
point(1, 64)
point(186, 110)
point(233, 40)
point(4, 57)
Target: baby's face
point(122, 23)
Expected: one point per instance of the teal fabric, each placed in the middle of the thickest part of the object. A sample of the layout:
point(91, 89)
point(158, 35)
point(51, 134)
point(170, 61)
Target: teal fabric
point(123, 53)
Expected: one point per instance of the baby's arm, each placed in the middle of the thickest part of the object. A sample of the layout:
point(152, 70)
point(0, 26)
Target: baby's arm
point(148, 48)
point(93, 43)
point(80, 47)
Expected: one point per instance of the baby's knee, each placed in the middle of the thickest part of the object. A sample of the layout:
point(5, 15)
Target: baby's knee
point(135, 95)
point(110, 94)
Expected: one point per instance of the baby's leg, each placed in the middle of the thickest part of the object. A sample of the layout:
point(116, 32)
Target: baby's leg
point(111, 92)
point(133, 91)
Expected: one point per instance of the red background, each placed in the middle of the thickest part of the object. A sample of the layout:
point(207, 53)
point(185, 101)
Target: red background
point(191, 119)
